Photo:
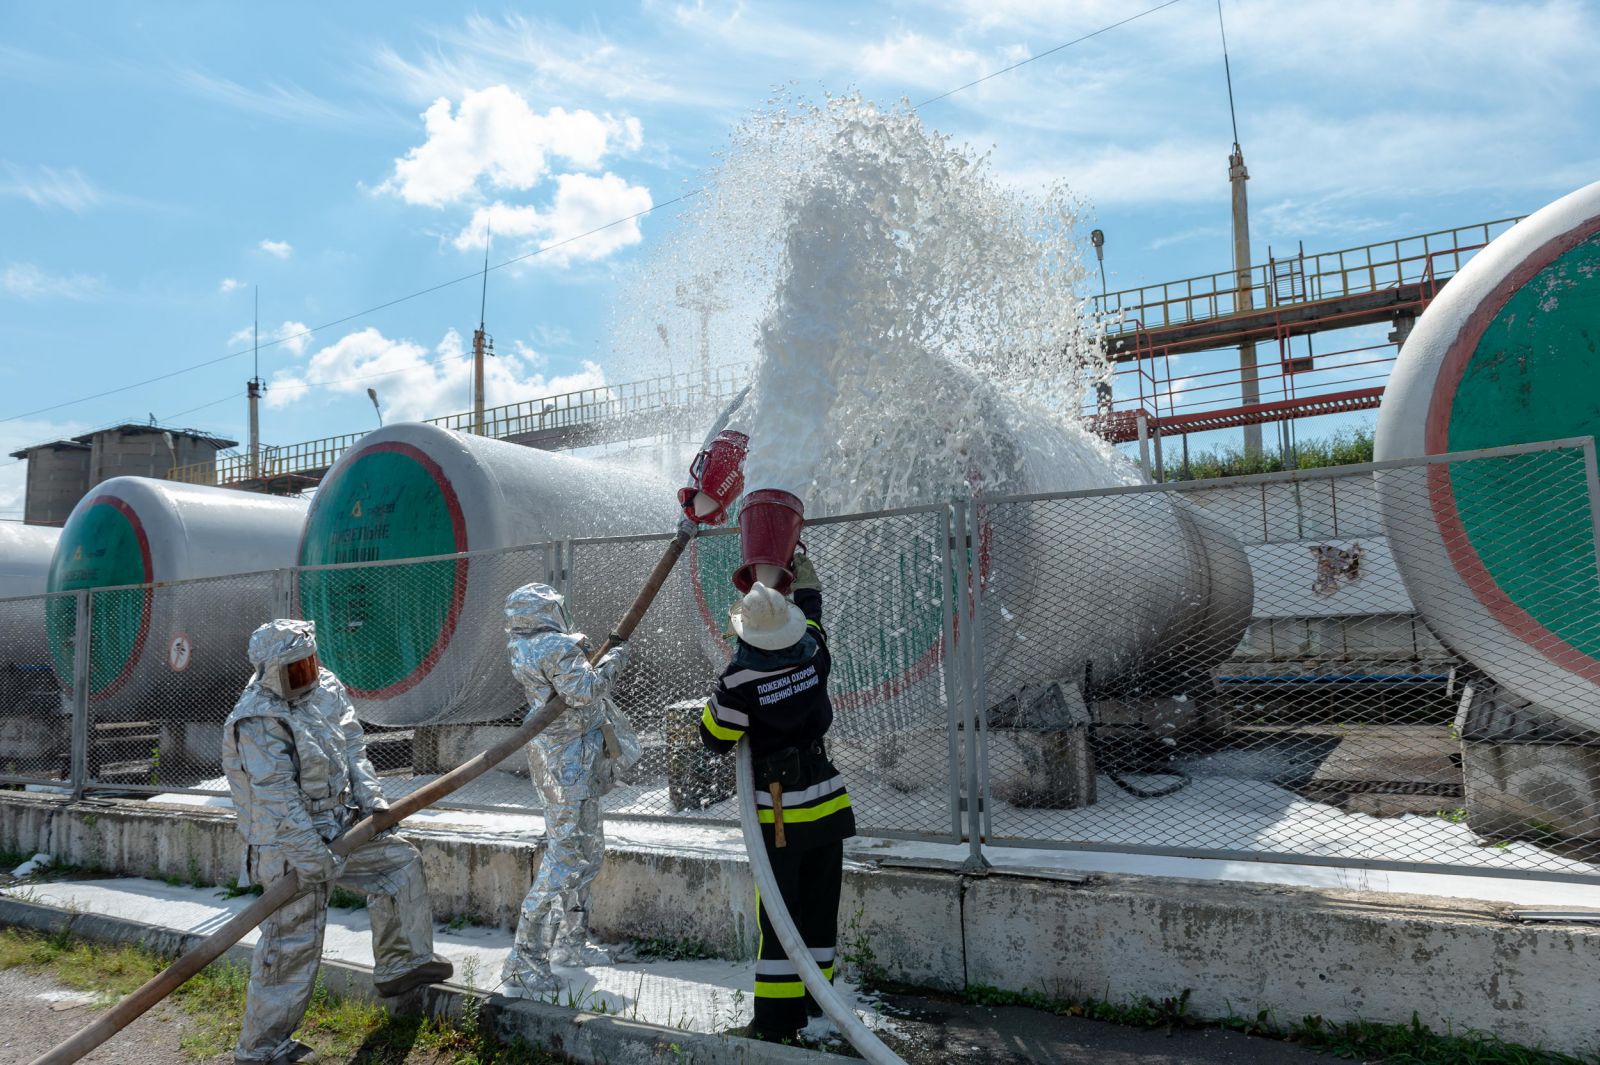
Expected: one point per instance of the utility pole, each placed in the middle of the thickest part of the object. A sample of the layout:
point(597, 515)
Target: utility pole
point(1102, 387)
point(703, 299)
point(1244, 300)
point(1244, 296)
point(253, 390)
point(482, 343)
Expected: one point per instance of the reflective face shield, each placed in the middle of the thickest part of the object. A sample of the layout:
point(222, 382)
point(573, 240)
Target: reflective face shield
point(300, 676)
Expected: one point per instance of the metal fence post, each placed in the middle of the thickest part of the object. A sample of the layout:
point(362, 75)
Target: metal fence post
point(951, 519)
point(81, 660)
point(971, 666)
point(283, 592)
point(980, 688)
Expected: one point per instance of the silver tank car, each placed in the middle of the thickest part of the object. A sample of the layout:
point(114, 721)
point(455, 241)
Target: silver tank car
point(168, 647)
point(30, 735)
point(423, 644)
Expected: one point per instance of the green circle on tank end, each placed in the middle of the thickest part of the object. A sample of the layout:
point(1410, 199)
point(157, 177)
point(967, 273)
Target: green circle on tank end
point(377, 624)
point(99, 548)
point(1535, 375)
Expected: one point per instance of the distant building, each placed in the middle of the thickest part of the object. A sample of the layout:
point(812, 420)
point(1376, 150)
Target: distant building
point(61, 472)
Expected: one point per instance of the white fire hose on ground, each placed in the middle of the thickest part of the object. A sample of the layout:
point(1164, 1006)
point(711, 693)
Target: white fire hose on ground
point(837, 1010)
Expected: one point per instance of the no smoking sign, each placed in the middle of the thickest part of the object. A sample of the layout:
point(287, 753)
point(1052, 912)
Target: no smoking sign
point(181, 653)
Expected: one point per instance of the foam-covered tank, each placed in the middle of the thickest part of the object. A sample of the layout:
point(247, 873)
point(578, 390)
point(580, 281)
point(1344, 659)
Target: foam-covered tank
point(424, 643)
point(26, 684)
point(1499, 555)
point(169, 651)
point(1122, 593)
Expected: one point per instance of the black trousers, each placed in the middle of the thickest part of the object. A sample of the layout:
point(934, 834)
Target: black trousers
point(809, 880)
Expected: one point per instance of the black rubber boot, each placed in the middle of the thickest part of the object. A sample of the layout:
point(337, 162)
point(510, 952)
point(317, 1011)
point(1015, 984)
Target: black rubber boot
point(429, 972)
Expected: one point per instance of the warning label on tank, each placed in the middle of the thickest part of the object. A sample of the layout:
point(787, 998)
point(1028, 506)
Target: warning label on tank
point(180, 653)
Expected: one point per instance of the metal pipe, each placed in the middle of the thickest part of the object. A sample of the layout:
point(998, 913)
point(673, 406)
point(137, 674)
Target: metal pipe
point(285, 889)
point(837, 1011)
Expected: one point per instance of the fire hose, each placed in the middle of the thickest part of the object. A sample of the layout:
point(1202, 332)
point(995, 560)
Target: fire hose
point(834, 1007)
point(286, 888)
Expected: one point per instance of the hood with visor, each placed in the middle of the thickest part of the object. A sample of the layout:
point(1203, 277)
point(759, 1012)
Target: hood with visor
point(284, 653)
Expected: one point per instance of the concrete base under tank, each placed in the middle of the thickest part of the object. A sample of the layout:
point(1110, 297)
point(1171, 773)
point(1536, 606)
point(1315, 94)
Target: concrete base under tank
point(1527, 775)
point(1237, 948)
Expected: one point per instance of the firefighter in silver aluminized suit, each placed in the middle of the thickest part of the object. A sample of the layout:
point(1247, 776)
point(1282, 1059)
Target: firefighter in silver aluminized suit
point(297, 767)
point(574, 762)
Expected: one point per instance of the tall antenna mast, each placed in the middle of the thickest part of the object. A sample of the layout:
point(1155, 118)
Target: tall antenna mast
point(1228, 73)
point(481, 343)
point(1244, 295)
point(253, 389)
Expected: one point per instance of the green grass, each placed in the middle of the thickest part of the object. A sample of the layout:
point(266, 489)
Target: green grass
point(1344, 448)
point(342, 899)
point(343, 1030)
point(1388, 1044)
point(671, 949)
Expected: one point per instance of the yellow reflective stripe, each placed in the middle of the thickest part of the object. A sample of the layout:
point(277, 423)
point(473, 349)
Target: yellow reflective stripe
point(808, 813)
point(827, 971)
point(780, 989)
point(716, 728)
point(814, 625)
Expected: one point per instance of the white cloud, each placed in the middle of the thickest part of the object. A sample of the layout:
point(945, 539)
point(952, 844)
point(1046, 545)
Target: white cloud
point(551, 61)
point(230, 284)
point(273, 100)
point(295, 337)
point(45, 186)
point(26, 281)
point(913, 59)
point(496, 136)
point(416, 382)
point(582, 203)
point(280, 249)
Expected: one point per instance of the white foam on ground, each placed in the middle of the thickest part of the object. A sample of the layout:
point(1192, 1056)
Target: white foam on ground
point(1274, 818)
point(698, 996)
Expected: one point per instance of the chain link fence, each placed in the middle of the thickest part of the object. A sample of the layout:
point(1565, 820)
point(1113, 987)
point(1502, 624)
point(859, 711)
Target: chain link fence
point(1388, 666)
point(36, 741)
point(1394, 665)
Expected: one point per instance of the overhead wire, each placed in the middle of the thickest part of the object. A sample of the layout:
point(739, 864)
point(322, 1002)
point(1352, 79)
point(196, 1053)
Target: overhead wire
point(680, 198)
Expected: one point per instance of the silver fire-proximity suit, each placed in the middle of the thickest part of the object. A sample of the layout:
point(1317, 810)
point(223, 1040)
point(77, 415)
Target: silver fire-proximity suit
point(297, 767)
point(574, 762)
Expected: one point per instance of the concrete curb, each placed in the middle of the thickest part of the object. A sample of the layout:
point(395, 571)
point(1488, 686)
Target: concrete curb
point(588, 1038)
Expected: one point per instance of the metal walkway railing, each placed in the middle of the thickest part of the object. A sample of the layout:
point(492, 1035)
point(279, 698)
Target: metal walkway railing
point(570, 419)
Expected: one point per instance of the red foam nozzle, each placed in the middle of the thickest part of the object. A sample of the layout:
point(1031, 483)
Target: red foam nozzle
point(716, 477)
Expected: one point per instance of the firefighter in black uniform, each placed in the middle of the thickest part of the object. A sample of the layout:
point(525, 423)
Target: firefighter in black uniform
point(775, 690)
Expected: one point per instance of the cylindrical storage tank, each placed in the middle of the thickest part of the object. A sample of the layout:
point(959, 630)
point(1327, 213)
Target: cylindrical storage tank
point(25, 553)
point(1499, 554)
point(28, 692)
point(175, 650)
point(1121, 592)
point(424, 643)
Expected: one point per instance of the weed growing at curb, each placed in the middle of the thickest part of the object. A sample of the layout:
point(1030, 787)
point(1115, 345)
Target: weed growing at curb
point(670, 949)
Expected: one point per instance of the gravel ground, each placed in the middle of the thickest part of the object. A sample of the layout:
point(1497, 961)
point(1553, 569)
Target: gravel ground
point(36, 1013)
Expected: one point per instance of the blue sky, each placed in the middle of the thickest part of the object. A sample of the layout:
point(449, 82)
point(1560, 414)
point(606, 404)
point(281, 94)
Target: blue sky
point(158, 161)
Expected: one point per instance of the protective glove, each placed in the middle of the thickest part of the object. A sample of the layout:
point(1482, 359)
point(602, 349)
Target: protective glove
point(315, 869)
point(805, 574)
point(618, 654)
